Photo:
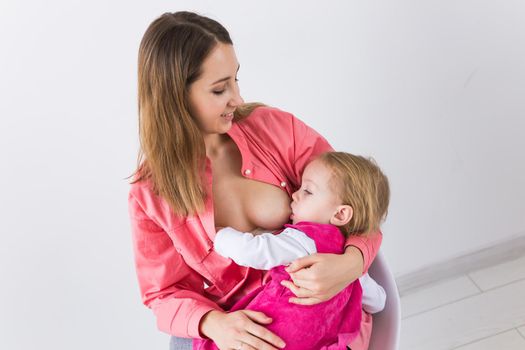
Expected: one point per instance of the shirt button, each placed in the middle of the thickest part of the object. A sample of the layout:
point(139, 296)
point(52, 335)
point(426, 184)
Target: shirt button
point(283, 184)
point(247, 172)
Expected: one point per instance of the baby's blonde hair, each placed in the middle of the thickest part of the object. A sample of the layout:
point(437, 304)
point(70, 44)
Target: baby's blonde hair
point(361, 184)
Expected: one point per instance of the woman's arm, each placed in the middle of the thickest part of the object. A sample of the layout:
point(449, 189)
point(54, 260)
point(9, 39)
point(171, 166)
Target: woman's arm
point(168, 286)
point(368, 245)
point(317, 278)
point(175, 293)
point(303, 144)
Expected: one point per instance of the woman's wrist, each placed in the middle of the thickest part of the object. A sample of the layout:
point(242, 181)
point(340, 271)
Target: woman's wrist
point(355, 261)
point(207, 325)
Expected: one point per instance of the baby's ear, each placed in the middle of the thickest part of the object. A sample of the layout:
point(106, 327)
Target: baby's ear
point(342, 216)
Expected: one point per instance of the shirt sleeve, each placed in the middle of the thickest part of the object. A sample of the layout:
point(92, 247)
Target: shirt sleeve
point(263, 251)
point(308, 144)
point(368, 245)
point(167, 285)
point(374, 296)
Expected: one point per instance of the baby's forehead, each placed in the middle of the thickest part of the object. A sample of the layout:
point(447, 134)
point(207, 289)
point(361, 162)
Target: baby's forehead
point(323, 176)
point(316, 165)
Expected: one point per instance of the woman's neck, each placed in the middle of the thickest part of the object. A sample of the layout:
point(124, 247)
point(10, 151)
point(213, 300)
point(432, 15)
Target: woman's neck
point(215, 144)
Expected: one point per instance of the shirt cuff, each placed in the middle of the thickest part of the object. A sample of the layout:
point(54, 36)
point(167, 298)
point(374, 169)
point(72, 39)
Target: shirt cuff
point(195, 319)
point(368, 245)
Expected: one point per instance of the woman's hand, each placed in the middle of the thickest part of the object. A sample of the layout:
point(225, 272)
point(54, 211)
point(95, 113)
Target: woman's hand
point(240, 330)
point(318, 277)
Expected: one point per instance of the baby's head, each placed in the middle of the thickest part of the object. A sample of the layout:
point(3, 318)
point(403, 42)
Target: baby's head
point(344, 190)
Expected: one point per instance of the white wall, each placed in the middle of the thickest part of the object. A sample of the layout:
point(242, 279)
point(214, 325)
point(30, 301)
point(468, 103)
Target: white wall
point(432, 89)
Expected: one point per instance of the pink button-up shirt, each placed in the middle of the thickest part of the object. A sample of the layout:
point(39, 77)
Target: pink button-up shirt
point(180, 276)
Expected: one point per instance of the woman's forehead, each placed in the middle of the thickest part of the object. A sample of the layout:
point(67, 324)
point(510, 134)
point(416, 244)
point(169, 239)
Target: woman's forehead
point(221, 64)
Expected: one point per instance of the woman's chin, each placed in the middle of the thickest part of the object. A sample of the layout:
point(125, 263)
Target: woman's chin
point(224, 127)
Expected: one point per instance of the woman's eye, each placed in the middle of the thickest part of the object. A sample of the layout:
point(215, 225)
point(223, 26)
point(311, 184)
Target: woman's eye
point(307, 192)
point(220, 92)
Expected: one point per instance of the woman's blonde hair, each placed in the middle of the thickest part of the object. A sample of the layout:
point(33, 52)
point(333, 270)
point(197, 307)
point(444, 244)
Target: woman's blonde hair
point(361, 184)
point(172, 154)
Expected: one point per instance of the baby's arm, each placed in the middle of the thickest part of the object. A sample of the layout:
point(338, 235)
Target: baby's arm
point(264, 250)
point(374, 296)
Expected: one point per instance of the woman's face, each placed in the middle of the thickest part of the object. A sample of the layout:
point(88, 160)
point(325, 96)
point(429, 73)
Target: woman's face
point(215, 95)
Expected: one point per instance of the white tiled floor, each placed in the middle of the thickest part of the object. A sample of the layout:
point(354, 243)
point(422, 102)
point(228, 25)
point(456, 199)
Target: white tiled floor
point(499, 275)
point(522, 331)
point(510, 340)
point(437, 295)
point(482, 310)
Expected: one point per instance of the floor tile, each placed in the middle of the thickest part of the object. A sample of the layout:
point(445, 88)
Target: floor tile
point(465, 321)
point(511, 340)
point(522, 331)
point(440, 294)
point(500, 274)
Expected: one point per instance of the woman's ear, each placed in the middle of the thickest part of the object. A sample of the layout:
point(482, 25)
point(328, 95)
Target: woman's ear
point(342, 216)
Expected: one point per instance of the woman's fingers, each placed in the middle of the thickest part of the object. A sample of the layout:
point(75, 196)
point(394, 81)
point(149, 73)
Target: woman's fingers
point(260, 337)
point(252, 342)
point(314, 278)
point(310, 283)
point(244, 346)
point(243, 327)
point(303, 275)
point(304, 296)
point(257, 316)
point(305, 301)
point(301, 263)
point(299, 292)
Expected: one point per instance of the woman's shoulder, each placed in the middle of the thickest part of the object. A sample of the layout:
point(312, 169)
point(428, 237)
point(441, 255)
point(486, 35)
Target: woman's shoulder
point(268, 116)
point(273, 123)
point(145, 204)
point(142, 193)
point(141, 188)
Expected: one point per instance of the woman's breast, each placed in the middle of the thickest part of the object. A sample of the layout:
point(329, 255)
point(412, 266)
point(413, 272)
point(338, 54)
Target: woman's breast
point(246, 204)
point(266, 206)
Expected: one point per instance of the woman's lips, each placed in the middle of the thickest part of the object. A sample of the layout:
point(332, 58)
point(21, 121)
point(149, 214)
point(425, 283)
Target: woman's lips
point(228, 116)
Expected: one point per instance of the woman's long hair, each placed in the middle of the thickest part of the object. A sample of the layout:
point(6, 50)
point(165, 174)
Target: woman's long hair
point(172, 154)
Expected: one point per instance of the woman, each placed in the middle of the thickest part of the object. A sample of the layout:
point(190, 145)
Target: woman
point(208, 160)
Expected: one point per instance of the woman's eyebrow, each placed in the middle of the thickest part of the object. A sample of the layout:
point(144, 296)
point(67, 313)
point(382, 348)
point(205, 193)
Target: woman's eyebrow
point(224, 79)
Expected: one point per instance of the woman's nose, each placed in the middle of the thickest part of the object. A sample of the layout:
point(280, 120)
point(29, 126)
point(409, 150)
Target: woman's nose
point(294, 196)
point(236, 99)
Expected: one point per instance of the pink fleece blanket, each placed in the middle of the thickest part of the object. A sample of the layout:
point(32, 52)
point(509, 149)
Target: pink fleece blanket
point(328, 325)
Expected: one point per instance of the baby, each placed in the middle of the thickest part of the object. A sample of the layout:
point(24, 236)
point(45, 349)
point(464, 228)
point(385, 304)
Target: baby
point(341, 194)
